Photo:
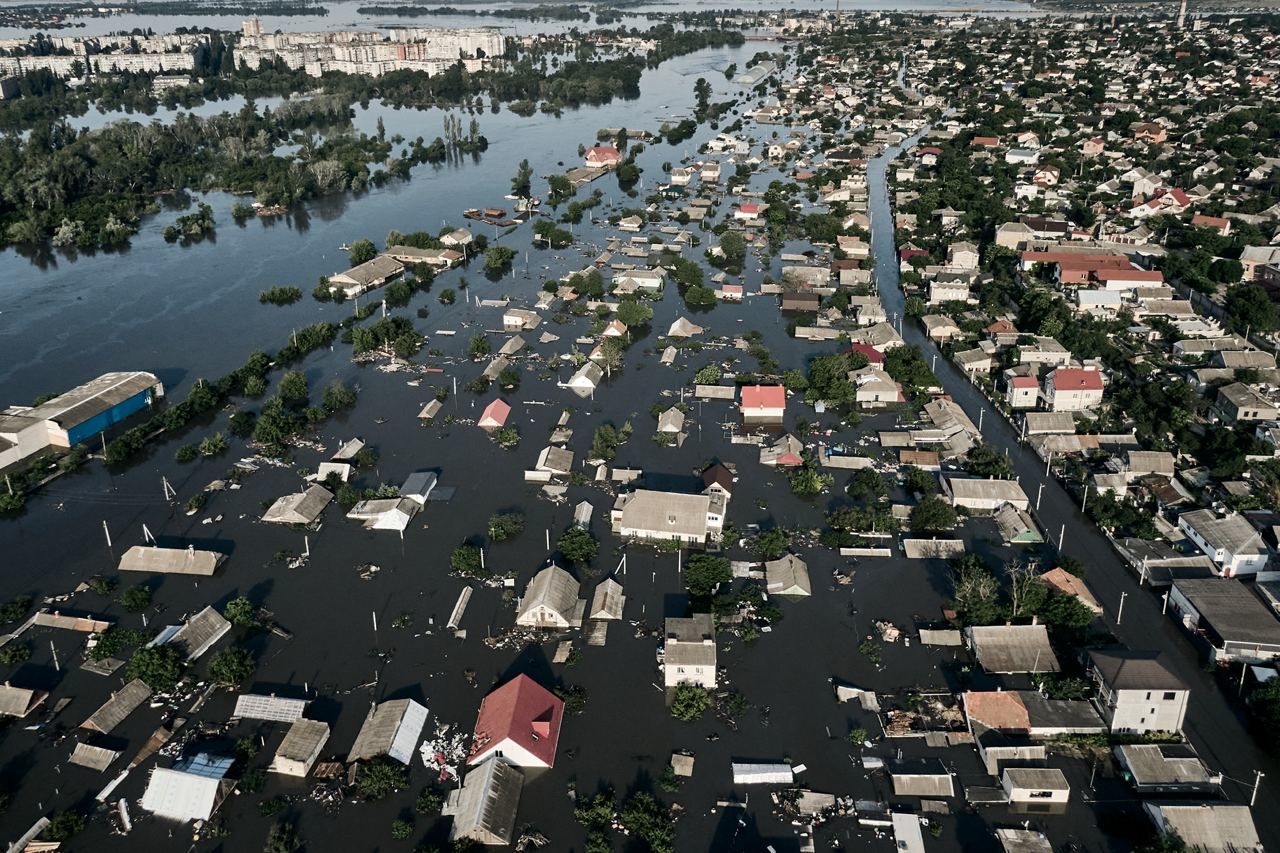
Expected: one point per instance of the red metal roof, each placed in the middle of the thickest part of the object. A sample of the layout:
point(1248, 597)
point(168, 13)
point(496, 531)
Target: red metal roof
point(1076, 379)
point(523, 712)
point(494, 414)
point(603, 154)
point(764, 397)
point(1025, 382)
point(873, 355)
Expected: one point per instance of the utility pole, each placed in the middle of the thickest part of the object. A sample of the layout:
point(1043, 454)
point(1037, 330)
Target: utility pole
point(106, 532)
point(1047, 462)
point(1120, 612)
point(1039, 494)
point(1257, 780)
point(1062, 535)
point(1164, 607)
point(1085, 501)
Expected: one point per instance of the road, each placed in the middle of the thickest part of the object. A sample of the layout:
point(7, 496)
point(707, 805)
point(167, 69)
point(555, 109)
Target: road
point(1212, 725)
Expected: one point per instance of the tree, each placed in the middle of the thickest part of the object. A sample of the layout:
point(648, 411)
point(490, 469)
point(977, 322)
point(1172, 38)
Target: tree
point(293, 389)
point(857, 737)
point(734, 247)
point(689, 702)
point(498, 258)
point(381, 777)
point(1250, 308)
point(429, 802)
point(807, 480)
point(932, 515)
point(918, 481)
point(338, 397)
point(772, 543)
point(708, 375)
point(577, 546)
point(977, 591)
point(479, 346)
point(985, 461)
point(914, 307)
point(282, 838)
point(632, 313)
point(362, 251)
point(604, 444)
point(505, 525)
point(704, 572)
point(241, 611)
point(63, 826)
point(136, 598)
point(521, 184)
point(230, 667)
point(158, 666)
point(867, 484)
point(466, 561)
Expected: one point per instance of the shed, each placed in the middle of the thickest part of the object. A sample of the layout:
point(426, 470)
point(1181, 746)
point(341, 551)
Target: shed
point(1165, 768)
point(788, 575)
point(907, 836)
point(582, 514)
point(1035, 785)
point(93, 757)
point(390, 729)
point(430, 410)
point(752, 773)
point(19, 701)
point(1023, 841)
point(121, 704)
point(418, 485)
point(921, 777)
point(1012, 648)
point(170, 561)
point(1215, 827)
point(484, 808)
point(299, 508)
point(191, 790)
point(278, 709)
point(300, 748)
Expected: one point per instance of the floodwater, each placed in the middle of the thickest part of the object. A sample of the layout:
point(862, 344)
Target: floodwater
point(345, 15)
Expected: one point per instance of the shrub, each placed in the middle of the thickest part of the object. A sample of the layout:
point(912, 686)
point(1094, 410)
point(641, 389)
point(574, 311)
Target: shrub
point(689, 703)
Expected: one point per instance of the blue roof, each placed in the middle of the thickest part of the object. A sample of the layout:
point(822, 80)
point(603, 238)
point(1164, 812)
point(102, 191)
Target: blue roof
point(204, 764)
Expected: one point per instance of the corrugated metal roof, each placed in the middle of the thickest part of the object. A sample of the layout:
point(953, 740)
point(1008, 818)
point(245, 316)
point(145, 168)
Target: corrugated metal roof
point(92, 398)
point(120, 705)
point(256, 706)
point(200, 632)
point(172, 561)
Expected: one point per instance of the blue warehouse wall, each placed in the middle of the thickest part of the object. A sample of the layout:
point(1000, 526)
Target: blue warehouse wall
point(114, 415)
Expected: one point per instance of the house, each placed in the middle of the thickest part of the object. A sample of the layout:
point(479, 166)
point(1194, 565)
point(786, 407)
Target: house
point(458, 237)
point(192, 789)
point(1022, 392)
point(122, 703)
point(615, 329)
point(385, 513)
point(1023, 841)
point(671, 421)
point(800, 300)
point(1230, 541)
point(418, 487)
point(520, 319)
point(1228, 617)
point(1029, 714)
point(1150, 132)
point(785, 452)
point(762, 404)
point(948, 291)
point(1040, 785)
point(607, 601)
point(681, 176)
point(170, 561)
point(1206, 827)
point(683, 327)
point(556, 460)
point(257, 706)
point(1164, 768)
point(788, 575)
point(603, 156)
point(1093, 147)
point(19, 701)
point(301, 748)
point(519, 723)
point(1220, 224)
point(367, 276)
point(584, 381)
point(551, 601)
point(494, 415)
point(484, 807)
point(730, 292)
point(1136, 693)
point(940, 328)
point(300, 508)
point(1012, 648)
point(1239, 403)
point(1016, 526)
point(717, 480)
point(710, 172)
point(978, 495)
point(689, 651)
point(920, 777)
point(666, 516)
point(1072, 389)
point(1062, 582)
point(391, 729)
point(962, 256)
point(749, 211)
point(195, 636)
point(633, 281)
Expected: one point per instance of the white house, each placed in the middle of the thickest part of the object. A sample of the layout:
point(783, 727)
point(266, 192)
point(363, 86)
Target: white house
point(689, 651)
point(1072, 389)
point(1230, 541)
point(551, 601)
point(1136, 692)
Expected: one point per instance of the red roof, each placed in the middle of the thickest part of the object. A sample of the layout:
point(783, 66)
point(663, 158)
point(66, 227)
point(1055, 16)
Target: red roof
point(764, 397)
point(1076, 379)
point(749, 207)
point(522, 712)
point(494, 414)
point(1178, 195)
point(1130, 275)
point(1024, 382)
point(873, 355)
point(603, 154)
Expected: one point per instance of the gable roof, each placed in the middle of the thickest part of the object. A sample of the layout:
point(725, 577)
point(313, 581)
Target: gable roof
point(523, 712)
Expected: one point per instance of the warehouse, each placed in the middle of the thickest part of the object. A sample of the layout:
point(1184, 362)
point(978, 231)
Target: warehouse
point(77, 416)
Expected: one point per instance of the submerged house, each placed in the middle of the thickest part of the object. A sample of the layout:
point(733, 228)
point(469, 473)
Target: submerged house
point(551, 601)
point(652, 515)
point(192, 789)
point(484, 808)
point(518, 723)
point(390, 729)
point(689, 651)
point(299, 508)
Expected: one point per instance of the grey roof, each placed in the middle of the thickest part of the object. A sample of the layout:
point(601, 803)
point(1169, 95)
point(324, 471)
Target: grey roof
point(608, 600)
point(1043, 713)
point(300, 508)
point(1232, 533)
point(1040, 778)
point(172, 561)
point(19, 701)
point(199, 633)
point(921, 777)
point(664, 512)
point(121, 704)
point(372, 271)
point(1023, 841)
point(1210, 827)
point(1049, 423)
point(92, 398)
point(970, 488)
point(382, 727)
point(1013, 648)
point(1162, 764)
point(303, 740)
point(672, 420)
point(1124, 669)
point(484, 808)
point(1233, 612)
point(553, 588)
point(787, 576)
point(256, 706)
point(93, 757)
point(557, 460)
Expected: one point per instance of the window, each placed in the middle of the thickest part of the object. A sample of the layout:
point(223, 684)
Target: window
point(1041, 795)
point(1170, 696)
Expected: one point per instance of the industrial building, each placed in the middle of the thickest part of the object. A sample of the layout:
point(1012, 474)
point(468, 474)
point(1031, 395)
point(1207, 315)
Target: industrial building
point(76, 417)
